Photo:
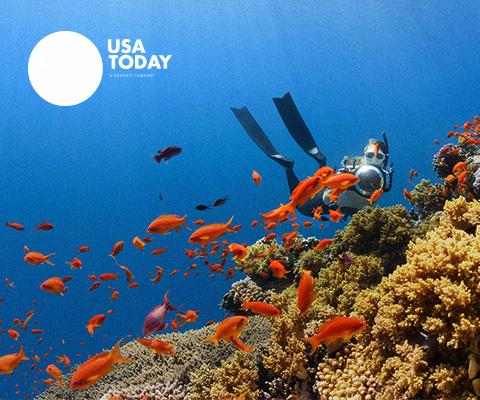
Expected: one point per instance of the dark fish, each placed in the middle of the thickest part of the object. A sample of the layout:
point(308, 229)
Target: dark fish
point(202, 207)
point(167, 153)
point(160, 197)
point(220, 202)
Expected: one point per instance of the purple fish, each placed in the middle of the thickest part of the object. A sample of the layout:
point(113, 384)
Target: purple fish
point(155, 320)
point(167, 153)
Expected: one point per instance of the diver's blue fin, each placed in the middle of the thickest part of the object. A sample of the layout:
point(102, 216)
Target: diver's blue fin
point(257, 134)
point(298, 128)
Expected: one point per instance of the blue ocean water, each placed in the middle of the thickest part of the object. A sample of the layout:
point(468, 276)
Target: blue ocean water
point(354, 69)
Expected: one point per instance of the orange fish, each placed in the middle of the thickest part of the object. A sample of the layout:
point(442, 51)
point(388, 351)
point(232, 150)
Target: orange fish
point(408, 196)
point(95, 322)
point(322, 244)
point(128, 274)
point(174, 324)
point(190, 316)
point(305, 291)
point(48, 381)
point(107, 277)
point(239, 252)
point(117, 248)
point(198, 222)
point(270, 237)
point(305, 190)
point(14, 335)
point(334, 332)
point(54, 285)
point(36, 331)
point(342, 181)
point(133, 285)
point(375, 196)
point(278, 269)
point(96, 367)
point(280, 213)
point(459, 166)
point(208, 233)
point(412, 174)
point(261, 308)
point(158, 346)
point(257, 179)
point(158, 275)
point(94, 286)
point(138, 243)
point(324, 172)
point(229, 330)
point(76, 263)
point(159, 250)
point(15, 225)
point(254, 223)
point(36, 258)
point(9, 362)
point(44, 226)
point(83, 249)
point(307, 224)
point(335, 215)
point(64, 360)
point(54, 371)
point(166, 223)
point(114, 295)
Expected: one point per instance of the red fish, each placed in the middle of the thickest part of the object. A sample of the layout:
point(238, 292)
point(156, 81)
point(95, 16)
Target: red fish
point(76, 263)
point(335, 332)
point(166, 223)
point(335, 215)
point(9, 362)
point(96, 367)
point(278, 269)
point(305, 291)
point(95, 322)
point(229, 330)
point(54, 285)
point(36, 258)
point(209, 233)
point(15, 225)
point(375, 196)
point(322, 244)
point(83, 249)
point(117, 248)
point(158, 346)
point(257, 179)
point(44, 226)
point(261, 308)
point(159, 250)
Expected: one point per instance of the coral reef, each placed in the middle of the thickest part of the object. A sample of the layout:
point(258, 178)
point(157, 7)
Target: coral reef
point(416, 284)
point(431, 301)
point(428, 198)
point(148, 370)
point(379, 232)
point(243, 289)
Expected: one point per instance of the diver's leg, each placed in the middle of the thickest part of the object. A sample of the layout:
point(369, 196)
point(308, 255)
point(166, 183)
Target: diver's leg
point(257, 134)
point(291, 178)
point(298, 128)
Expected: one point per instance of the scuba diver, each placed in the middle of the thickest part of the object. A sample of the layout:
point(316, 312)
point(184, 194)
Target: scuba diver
point(371, 168)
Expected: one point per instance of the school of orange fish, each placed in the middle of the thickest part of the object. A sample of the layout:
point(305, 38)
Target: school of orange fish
point(206, 237)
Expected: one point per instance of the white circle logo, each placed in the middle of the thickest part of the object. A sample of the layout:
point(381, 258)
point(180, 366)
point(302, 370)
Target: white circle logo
point(65, 68)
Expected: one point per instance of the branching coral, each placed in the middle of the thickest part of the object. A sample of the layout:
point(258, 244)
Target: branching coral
point(428, 198)
point(243, 289)
point(433, 298)
point(379, 232)
point(147, 370)
point(237, 376)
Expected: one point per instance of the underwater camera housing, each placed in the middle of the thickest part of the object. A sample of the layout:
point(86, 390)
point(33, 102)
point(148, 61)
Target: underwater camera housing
point(371, 179)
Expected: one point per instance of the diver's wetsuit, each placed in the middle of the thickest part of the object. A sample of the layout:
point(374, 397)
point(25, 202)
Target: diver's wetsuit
point(301, 134)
